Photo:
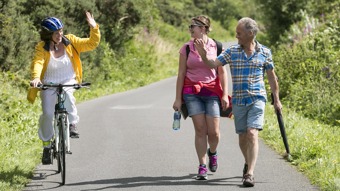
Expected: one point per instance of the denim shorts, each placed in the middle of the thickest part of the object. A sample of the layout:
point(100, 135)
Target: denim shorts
point(196, 104)
point(249, 116)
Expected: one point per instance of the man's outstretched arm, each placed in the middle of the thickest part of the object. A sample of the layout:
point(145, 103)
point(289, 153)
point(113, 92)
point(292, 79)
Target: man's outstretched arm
point(200, 47)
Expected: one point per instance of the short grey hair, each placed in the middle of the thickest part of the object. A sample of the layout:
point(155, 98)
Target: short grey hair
point(249, 24)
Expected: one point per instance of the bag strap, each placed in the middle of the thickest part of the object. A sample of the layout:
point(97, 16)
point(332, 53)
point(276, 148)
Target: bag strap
point(219, 47)
point(188, 51)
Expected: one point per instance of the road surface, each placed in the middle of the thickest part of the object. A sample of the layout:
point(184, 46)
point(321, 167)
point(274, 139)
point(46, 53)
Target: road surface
point(127, 143)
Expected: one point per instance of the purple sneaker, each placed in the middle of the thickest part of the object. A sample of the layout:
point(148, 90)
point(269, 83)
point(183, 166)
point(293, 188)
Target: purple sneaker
point(202, 173)
point(212, 161)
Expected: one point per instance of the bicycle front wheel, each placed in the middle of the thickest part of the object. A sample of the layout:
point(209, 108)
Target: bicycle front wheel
point(62, 149)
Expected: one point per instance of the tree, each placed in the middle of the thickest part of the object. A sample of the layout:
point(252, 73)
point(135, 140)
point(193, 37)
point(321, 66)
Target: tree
point(120, 17)
point(278, 16)
point(16, 35)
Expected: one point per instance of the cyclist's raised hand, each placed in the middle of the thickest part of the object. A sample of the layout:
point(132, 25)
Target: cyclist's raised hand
point(90, 19)
point(34, 83)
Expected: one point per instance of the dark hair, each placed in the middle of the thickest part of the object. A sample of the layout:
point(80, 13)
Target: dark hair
point(45, 35)
point(203, 20)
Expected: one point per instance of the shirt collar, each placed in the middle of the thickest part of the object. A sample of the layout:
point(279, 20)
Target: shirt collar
point(258, 46)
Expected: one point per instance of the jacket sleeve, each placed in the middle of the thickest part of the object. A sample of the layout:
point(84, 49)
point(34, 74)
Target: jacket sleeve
point(38, 61)
point(86, 44)
point(37, 67)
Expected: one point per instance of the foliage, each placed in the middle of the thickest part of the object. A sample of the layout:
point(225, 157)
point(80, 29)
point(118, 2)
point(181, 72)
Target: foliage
point(15, 43)
point(313, 146)
point(18, 135)
point(119, 19)
point(229, 11)
point(309, 72)
point(71, 13)
point(172, 12)
point(18, 18)
point(301, 29)
point(278, 16)
point(139, 45)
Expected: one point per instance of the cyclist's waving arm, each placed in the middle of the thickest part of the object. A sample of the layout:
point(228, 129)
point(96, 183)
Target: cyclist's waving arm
point(87, 44)
point(90, 19)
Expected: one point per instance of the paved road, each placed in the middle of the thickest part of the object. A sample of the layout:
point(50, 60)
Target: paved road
point(127, 143)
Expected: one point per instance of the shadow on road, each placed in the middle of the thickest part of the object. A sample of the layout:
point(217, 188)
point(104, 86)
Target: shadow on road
point(41, 175)
point(141, 181)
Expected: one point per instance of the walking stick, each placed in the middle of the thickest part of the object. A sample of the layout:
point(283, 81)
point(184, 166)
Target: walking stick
point(282, 130)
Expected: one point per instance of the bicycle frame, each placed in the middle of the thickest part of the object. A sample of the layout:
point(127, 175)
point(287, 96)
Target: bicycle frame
point(61, 126)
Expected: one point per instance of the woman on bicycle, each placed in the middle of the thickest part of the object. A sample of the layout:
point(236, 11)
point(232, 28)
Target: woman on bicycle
point(56, 60)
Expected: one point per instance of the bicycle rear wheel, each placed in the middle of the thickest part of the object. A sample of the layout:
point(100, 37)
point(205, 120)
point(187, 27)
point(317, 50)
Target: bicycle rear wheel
point(62, 150)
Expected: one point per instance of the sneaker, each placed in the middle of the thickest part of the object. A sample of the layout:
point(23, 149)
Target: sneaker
point(248, 180)
point(46, 158)
point(212, 161)
point(245, 169)
point(74, 131)
point(202, 173)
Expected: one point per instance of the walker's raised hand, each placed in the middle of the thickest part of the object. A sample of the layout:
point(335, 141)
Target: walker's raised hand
point(90, 19)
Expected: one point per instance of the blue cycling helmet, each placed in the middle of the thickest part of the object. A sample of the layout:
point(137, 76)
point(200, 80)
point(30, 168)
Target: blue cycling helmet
point(52, 24)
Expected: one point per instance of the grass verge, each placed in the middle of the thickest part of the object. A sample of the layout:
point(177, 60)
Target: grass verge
point(314, 147)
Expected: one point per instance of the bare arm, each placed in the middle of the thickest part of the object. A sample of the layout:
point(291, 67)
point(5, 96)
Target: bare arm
point(200, 47)
point(274, 86)
point(180, 82)
point(222, 75)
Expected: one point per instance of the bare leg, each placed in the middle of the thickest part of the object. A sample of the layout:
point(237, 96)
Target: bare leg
point(243, 145)
point(213, 132)
point(249, 146)
point(201, 132)
point(252, 149)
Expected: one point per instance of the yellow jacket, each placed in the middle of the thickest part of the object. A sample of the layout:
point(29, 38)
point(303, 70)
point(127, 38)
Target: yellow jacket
point(73, 46)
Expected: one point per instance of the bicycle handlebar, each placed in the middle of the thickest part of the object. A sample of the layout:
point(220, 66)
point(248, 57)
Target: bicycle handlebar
point(75, 86)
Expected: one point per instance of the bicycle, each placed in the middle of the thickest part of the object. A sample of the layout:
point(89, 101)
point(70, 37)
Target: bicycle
point(61, 140)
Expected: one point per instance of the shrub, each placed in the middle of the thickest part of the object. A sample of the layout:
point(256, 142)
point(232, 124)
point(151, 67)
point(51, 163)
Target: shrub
point(309, 75)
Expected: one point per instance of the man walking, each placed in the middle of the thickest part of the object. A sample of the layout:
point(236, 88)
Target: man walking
point(249, 61)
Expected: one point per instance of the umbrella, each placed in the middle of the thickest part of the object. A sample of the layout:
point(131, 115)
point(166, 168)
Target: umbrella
point(282, 129)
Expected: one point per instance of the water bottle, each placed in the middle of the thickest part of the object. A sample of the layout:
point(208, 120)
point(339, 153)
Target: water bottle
point(177, 121)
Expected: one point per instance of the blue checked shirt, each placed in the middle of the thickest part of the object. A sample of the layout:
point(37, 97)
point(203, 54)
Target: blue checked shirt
point(247, 72)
